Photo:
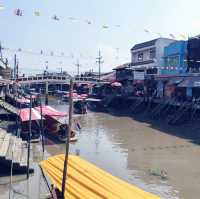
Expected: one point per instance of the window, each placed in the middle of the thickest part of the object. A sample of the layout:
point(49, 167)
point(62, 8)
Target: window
point(152, 54)
point(173, 61)
point(166, 64)
point(140, 56)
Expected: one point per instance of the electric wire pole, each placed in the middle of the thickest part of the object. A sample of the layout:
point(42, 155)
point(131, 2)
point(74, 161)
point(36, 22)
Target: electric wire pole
point(99, 61)
point(78, 69)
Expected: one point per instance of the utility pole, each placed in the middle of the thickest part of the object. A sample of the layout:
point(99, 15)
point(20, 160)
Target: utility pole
point(68, 136)
point(78, 69)
point(15, 64)
point(1, 55)
point(99, 61)
point(17, 69)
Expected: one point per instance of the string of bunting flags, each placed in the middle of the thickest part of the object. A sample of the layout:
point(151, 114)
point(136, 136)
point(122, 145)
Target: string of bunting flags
point(20, 13)
point(70, 55)
point(41, 53)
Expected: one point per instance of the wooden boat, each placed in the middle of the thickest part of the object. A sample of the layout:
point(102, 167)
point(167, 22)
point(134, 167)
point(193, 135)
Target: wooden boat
point(35, 124)
point(55, 124)
point(21, 101)
point(80, 106)
point(65, 97)
point(85, 180)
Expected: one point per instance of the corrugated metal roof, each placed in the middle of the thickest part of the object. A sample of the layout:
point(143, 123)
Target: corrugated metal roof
point(86, 181)
point(144, 44)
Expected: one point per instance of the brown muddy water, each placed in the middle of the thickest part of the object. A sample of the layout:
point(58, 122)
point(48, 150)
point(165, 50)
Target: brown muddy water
point(153, 156)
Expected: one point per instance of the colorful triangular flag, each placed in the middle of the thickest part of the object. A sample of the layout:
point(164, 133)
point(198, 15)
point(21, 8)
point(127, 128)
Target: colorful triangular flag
point(105, 27)
point(183, 36)
point(37, 13)
point(172, 36)
point(55, 18)
point(88, 22)
point(18, 12)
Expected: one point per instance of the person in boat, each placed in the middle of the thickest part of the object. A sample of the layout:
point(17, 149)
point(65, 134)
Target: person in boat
point(80, 107)
point(63, 129)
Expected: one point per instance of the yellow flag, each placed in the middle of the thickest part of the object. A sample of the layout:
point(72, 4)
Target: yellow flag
point(183, 36)
point(105, 27)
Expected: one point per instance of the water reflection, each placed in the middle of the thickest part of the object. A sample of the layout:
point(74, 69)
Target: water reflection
point(158, 162)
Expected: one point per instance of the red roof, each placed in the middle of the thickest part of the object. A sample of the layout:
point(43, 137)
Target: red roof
point(109, 77)
point(24, 114)
point(50, 111)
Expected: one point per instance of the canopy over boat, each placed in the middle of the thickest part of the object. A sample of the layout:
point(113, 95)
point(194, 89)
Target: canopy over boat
point(50, 111)
point(116, 84)
point(23, 100)
point(24, 114)
point(86, 181)
point(93, 100)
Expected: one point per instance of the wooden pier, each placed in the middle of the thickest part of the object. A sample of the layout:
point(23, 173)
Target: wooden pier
point(8, 107)
point(13, 150)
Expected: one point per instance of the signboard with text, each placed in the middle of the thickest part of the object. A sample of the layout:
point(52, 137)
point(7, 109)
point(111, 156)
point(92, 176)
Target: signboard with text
point(138, 75)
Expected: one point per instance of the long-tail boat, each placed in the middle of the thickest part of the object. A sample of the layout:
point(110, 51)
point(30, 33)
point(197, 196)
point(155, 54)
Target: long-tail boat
point(55, 123)
point(24, 118)
point(86, 181)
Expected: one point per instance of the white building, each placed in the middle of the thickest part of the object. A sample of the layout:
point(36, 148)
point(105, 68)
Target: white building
point(147, 57)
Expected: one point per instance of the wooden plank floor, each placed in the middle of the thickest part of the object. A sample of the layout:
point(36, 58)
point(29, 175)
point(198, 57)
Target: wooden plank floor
point(13, 148)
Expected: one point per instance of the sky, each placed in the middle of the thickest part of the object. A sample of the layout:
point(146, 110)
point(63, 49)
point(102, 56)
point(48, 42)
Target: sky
point(125, 20)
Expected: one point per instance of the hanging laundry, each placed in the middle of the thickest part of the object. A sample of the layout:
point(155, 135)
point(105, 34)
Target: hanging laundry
point(37, 14)
point(18, 12)
point(55, 18)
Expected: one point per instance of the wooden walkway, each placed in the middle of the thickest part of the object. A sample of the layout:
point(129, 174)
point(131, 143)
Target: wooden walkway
point(13, 148)
point(8, 107)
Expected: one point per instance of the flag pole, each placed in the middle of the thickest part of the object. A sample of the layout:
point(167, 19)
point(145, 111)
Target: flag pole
point(41, 122)
point(68, 135)
point(29, 137)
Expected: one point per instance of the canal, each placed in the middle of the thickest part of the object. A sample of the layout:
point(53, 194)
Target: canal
point(156, 157)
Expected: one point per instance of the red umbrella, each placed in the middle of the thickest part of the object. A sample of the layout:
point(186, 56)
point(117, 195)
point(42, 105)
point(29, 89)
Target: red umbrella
point(116, 84)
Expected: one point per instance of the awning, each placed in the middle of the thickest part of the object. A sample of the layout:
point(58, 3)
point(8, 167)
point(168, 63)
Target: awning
point(50, 111)
point(190, 82)
point(86, 181)
point(24, 114)
point(23, 100)
point(116, 84)
point(174, 80)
